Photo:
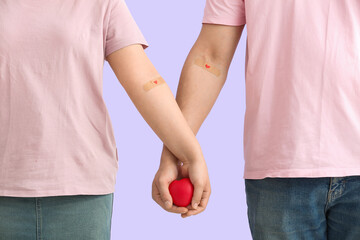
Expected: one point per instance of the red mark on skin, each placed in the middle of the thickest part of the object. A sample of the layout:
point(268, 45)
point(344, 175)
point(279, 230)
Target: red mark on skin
point(155, 81)
point(207, 66)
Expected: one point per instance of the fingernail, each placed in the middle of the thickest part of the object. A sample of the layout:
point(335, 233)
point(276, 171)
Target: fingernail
point(167, 204)
point(195, 205)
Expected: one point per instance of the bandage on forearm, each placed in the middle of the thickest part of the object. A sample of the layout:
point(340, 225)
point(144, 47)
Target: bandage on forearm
point(201, 62)
point(153, 83)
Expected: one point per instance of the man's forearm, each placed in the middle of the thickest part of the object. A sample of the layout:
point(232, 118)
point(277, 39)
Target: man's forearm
point(199, 87)
point(197, 91)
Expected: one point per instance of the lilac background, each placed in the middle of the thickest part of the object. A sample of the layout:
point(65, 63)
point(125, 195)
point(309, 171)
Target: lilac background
point(171, 28)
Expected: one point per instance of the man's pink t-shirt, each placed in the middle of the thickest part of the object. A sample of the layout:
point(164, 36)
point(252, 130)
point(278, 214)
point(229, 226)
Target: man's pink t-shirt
point(302, 77)
point(56, 137)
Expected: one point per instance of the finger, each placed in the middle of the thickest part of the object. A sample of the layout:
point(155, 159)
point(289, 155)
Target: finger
point(163, 187)
point(192, 212)
point(205, 197)
point(197, 195)
point(176, 209)
point(198, 210)
point(202, 206)
point(157, 198)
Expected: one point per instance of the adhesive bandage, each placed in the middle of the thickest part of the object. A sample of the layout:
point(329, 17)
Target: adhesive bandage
point(153, 83)
point(207, 66)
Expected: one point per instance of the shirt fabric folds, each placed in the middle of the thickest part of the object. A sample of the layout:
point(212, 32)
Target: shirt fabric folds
point(302, 77)
point(56, 137)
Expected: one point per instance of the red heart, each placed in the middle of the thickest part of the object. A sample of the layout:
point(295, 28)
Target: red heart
point(181, 192)
point(207, 66)
point(155, 82)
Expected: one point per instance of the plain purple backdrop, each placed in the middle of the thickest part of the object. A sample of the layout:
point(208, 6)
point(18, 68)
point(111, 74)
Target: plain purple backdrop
point(171, 28)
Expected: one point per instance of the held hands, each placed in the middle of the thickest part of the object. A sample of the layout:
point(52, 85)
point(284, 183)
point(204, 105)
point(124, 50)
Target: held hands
point(170, 169)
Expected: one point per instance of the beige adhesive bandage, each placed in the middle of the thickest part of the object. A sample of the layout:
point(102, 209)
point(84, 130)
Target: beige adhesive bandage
point(201, 62)
point(153, 83)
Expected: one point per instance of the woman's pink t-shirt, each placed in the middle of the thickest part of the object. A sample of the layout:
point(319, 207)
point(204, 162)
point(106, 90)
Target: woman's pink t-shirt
point(56, 137)
point(302, 82)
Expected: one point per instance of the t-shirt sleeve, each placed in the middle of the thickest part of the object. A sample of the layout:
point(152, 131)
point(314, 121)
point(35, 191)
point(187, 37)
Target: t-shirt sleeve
point(225, 12)
point(122, 29)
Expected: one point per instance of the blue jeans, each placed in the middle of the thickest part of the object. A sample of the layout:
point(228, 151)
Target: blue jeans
point(75, 217)
point(304, 208)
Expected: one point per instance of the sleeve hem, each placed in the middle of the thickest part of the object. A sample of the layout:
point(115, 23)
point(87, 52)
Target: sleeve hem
point(221, 21)
point(121, 44)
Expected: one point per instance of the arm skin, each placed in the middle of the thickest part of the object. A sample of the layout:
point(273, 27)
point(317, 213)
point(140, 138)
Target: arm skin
point(158, 108)
point(196, 95)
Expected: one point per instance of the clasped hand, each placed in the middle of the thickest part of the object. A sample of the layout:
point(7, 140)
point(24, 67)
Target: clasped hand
point(171, 169)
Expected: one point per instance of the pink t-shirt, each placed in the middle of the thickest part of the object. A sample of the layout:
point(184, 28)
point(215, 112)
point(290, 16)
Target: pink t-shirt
point(56, 137)
point(302, 82)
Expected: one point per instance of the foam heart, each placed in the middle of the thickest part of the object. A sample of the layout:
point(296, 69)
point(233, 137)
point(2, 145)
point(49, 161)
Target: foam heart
point(181, 192)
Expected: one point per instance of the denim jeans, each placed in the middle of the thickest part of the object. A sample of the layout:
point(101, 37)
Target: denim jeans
point(304, 208)
point(75, 217)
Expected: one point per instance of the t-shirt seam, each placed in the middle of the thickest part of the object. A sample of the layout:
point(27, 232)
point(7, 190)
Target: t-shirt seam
point(107, 24)
point(296, 169)
point(124, 43)
point(220, 20)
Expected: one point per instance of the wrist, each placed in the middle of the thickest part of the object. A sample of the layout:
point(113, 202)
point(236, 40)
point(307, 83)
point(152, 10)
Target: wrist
point(193, 156)
point(193, 159)
point(167, 158)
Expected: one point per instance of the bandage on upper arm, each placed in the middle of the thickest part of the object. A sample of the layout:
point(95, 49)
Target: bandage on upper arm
point(206, 65)
point(153, 83)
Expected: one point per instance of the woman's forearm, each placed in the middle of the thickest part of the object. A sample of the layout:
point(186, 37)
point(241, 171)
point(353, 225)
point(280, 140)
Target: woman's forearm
point(160, 110)
point(157, 106)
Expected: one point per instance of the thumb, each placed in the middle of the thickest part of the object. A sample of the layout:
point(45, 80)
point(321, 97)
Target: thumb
point(165, 193)
point(198, 191)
